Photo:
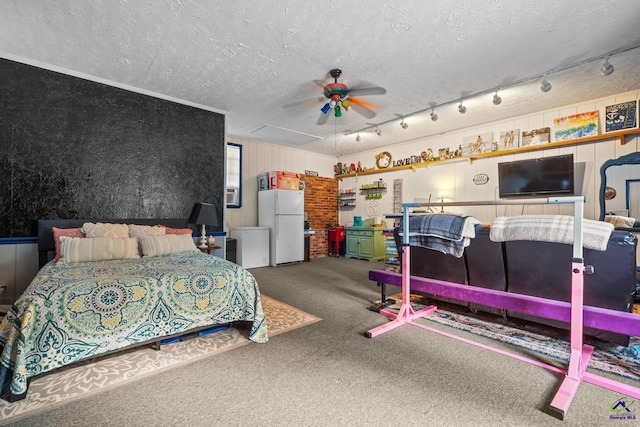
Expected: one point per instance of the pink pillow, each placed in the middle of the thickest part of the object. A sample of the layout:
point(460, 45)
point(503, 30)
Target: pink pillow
point(170, 230)
point(69, 232)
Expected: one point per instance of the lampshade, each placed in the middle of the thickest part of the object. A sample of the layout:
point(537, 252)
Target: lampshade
point(204, 214)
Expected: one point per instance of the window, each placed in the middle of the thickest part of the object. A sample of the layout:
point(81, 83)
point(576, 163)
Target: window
point(234, 175)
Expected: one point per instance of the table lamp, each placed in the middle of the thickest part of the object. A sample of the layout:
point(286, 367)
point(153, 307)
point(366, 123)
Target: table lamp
point(203, 214)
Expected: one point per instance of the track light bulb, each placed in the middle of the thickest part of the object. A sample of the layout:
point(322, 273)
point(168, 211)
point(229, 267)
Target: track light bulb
point(378, 131)
point(496, 99)
point(434, 116)
point(403, 124)
point(607, 68)
point(358, 137)
point(461, 108)
point(545, 86)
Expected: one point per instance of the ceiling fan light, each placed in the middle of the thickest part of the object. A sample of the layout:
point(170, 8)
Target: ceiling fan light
point(545, 86)
point(346, 104)
point(461, 108)
point(607, 68)
point(496, 99)
point(338, 112)
point(326, 108)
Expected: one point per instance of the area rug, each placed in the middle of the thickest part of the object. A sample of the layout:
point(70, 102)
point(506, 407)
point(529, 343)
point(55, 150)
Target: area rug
point(102, 373)
point(611, 358)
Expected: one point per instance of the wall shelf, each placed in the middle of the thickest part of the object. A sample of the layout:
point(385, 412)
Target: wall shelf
point(347, 198)
point(621, 135)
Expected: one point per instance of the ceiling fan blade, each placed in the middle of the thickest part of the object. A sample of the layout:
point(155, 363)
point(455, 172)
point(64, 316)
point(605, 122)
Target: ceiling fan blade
point(364, 111)
point(322, 119)
point(374, 90)
point(363, 103)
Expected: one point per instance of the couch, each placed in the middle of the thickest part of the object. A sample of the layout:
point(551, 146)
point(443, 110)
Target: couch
point(541, 269)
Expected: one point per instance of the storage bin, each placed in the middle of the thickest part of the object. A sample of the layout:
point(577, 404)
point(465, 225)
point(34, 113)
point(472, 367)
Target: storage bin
point(284, 180)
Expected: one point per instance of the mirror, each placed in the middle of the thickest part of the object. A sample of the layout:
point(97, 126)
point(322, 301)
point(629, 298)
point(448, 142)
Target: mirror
point(620, 188)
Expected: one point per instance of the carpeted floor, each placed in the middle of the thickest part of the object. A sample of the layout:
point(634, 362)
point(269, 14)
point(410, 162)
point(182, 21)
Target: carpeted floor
point(100, 374)
point(607, 357)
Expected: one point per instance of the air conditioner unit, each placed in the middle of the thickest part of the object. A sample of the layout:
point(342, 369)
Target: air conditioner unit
point(233, 196)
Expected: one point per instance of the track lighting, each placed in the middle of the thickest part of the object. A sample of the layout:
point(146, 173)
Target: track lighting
point(607, 68)
point(434, 116)
point(403, 124)
point(461, 108)
point(358, 137)
point(545, 86)
point(496, 99)
point(378, 131)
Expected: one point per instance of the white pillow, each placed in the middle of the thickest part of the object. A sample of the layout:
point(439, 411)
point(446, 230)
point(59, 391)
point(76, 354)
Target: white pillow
point(166, 244)
point(145, 230)
point(100, 229)
point(77, 249)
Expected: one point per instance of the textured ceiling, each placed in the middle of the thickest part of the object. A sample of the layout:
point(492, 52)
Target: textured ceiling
point(250, 58)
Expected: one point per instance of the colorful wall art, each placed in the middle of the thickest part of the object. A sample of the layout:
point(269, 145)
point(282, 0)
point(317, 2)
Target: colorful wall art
point(576, 126)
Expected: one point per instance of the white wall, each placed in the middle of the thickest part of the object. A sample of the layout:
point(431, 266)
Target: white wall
point(455, 176)
point(258, 158)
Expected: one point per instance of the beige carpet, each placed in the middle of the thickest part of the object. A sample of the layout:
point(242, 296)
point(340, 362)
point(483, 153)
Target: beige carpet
point(102, 373)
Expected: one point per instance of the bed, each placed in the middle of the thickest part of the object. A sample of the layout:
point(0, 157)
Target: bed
point(76, 308)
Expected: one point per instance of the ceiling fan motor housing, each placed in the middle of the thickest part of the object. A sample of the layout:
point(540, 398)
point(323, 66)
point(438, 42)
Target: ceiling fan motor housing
point(335, 89)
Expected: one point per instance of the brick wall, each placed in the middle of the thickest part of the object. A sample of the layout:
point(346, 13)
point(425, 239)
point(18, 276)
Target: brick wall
point(321, 206)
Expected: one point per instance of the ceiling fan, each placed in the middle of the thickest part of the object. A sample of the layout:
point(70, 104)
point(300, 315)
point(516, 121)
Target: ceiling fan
point(340, 96)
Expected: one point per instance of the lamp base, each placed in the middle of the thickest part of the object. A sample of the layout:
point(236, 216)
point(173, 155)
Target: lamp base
point(203, 238)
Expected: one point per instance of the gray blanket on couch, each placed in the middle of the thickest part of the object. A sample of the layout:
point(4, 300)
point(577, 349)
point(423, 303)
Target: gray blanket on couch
point(442, 232)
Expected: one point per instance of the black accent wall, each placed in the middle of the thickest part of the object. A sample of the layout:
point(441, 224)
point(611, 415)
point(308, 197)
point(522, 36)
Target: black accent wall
point(74, 148)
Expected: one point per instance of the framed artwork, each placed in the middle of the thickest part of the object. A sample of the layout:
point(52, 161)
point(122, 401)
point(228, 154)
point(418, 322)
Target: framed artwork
point(535, 137)
point(477, 144)
point(620, 116)
point(508, 139)
point(576, 126)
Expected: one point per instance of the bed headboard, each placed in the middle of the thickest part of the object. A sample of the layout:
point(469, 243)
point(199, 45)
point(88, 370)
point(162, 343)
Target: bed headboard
point(47, 247)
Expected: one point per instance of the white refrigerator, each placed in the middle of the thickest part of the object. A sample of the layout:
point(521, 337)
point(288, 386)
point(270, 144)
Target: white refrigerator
point(283, 212)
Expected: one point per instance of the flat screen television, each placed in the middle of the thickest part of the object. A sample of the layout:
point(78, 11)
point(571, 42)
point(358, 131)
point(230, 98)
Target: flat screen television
point(542, 177)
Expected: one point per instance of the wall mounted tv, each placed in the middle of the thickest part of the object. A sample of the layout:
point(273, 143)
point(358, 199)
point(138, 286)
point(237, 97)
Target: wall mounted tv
point(542, 177)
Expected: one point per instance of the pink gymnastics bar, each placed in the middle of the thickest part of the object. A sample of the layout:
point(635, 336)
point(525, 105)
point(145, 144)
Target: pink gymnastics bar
point(580, 353)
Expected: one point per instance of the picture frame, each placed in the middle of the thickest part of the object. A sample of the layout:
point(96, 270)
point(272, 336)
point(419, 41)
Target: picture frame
point(620, 116)
point(536, 137)
point(477, 144)
point(509, 139)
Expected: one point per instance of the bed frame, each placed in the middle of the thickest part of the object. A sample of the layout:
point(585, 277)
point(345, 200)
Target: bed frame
point(575, 312)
